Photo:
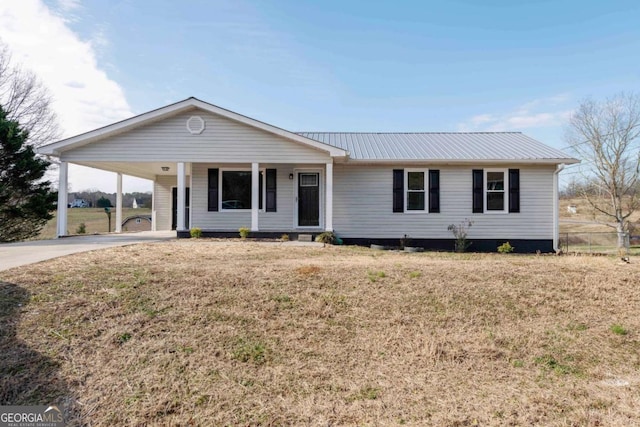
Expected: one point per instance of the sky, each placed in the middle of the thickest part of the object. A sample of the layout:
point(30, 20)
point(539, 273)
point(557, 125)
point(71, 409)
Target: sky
point(472, 65)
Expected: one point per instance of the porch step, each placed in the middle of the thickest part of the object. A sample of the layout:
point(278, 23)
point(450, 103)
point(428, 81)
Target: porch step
point(305, 238)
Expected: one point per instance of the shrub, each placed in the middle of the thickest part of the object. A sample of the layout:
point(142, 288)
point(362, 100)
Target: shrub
point(244, 232)
point(505, 248)
point(326, 237)
point(196, 233)
point(82, 228)
point(405, 241)
point(284, 237)
point(460, 232)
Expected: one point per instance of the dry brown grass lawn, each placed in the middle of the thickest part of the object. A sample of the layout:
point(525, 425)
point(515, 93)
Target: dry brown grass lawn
point(239, 333)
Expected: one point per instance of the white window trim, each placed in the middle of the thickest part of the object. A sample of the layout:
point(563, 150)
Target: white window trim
point(263, 189)
point(426, 191)
point(505, 190)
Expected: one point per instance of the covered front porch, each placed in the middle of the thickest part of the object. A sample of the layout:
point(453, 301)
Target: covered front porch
point(221, 197)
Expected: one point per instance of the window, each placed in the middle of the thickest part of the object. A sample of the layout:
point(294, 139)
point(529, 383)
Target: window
point(231, 190)
point(308, 180)
point(236, 190)
point(495, 194)
point(496, 190)
point(415, 190)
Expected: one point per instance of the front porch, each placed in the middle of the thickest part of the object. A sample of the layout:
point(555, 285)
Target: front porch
point(270, 199)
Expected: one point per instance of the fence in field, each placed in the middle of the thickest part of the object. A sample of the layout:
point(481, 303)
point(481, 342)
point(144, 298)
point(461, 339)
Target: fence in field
point(596, 242)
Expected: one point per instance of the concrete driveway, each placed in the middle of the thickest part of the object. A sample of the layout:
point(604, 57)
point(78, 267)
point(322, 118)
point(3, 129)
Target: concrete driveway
point(23, 253)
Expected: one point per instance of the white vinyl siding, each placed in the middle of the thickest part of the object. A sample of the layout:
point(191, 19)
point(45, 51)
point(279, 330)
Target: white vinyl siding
point(363, 206)
point(162, 188)
point(223, 140)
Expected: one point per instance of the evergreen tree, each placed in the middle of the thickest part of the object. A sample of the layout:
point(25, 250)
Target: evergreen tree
point(26, 201)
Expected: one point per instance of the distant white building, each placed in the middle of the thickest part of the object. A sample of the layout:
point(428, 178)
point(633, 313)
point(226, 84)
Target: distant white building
point(134, 205)
point(79, 203)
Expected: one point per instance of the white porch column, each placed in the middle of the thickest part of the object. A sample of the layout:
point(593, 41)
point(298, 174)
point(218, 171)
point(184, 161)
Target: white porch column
point(255, 195)
point(63, 180)
point(328, 216)
point(154, 223)
point(181, 196)
point(119, 203)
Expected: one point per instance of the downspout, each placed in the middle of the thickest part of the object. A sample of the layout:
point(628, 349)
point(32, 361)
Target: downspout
point(556, 207)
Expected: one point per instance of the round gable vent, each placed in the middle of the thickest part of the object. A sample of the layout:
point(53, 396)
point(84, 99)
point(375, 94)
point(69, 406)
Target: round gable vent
point(195, 125)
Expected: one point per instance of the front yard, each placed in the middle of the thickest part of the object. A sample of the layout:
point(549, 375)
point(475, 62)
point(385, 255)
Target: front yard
point(239, 333)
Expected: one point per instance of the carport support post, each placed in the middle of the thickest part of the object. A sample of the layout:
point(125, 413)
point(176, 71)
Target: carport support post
point(63, 180)
point(181, 197)
point(328, 216)
point(255, 195)
point(119, 204)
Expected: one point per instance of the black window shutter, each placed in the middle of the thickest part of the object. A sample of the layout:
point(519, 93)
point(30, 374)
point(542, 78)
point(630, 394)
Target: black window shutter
point(398, 190)
point(213, 190)
point(514, 190)
point(434, 190)
point(271, 190)
point(478, 188)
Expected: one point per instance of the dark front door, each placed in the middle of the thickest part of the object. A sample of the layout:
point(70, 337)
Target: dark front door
point(174, 209)
point(308, 199)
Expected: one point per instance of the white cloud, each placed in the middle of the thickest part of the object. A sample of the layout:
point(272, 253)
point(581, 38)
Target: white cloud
point(538, 113)
point(84, 97)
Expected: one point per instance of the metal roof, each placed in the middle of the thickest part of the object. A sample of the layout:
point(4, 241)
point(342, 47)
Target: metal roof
point(441, 146)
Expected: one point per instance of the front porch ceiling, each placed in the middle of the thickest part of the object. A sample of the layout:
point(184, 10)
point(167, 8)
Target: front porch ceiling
point(145, 170)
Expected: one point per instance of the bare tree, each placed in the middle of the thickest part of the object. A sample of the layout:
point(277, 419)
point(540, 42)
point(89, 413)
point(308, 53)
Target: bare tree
point(26, 101)
point(606, 135)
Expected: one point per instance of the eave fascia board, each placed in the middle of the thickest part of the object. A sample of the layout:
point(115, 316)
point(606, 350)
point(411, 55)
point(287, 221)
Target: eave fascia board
point(455, 162)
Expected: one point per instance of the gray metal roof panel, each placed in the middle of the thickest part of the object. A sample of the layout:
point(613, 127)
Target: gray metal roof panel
point(438, 145)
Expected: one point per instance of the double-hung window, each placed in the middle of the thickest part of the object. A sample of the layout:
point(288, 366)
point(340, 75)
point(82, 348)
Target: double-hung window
point(415, 190)
point(496, 190)
point(496, 196)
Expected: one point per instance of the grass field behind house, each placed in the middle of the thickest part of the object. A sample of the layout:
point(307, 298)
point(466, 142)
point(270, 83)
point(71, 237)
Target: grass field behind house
point(95, 219)
point(201, 332)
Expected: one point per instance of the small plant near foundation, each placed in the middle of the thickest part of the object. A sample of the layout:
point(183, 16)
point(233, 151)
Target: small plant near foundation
point(328, 237)
point(460, 232)
point(244, 232)
point(82, 228)
point(505, 248)
point(618, 330)
point(196, 233)
point(405, 241)
point(284, 237)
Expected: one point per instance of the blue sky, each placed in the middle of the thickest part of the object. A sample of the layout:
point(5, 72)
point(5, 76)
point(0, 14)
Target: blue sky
point(339, 65)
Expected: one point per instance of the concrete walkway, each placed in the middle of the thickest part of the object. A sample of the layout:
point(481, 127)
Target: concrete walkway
point(23, 253)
